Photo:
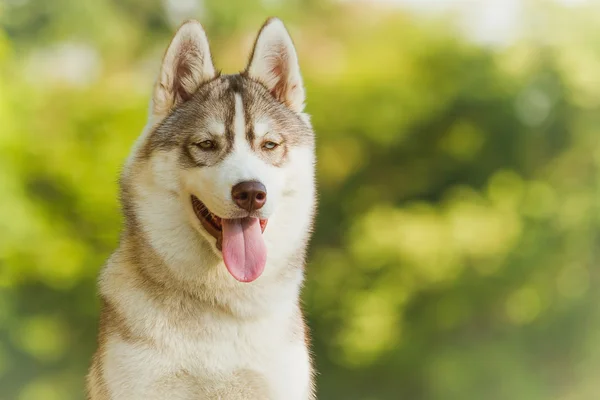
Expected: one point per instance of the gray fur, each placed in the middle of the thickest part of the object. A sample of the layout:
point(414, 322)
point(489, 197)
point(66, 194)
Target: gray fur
point(187, 124)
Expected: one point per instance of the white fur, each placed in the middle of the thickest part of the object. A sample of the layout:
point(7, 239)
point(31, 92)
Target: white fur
point(222, 346)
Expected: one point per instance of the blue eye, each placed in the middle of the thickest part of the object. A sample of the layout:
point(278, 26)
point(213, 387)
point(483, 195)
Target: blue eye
point(268, 145)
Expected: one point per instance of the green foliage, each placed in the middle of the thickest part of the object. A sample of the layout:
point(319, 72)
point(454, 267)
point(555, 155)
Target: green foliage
point(455, 249)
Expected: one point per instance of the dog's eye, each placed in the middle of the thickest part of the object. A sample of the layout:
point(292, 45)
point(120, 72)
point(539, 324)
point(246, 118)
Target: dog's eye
point(268, 145)
point(206, 145)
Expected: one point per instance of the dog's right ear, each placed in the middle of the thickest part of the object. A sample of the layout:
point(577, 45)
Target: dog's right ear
point(187, 64)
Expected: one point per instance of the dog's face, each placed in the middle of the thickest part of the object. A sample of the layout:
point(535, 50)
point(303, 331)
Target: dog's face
point(231, 149)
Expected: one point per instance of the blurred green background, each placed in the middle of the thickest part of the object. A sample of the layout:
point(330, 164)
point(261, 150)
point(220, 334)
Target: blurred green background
point(456, 247)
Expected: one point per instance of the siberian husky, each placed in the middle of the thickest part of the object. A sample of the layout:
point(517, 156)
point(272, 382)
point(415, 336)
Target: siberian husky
point(201, 298)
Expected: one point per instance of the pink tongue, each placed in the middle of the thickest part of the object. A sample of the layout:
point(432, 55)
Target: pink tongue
point(244, 249)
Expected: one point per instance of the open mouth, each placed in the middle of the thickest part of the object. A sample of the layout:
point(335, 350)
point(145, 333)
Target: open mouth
point(240, 240)
point(212, 223)
point(209, 221)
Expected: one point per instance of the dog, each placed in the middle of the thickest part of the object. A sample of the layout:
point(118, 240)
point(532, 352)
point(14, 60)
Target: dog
point(201, 298)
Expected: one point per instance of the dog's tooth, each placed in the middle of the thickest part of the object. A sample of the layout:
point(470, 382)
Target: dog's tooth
point(202, 211)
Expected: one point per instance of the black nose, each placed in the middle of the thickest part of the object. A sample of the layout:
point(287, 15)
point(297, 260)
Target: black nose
point(250, 195)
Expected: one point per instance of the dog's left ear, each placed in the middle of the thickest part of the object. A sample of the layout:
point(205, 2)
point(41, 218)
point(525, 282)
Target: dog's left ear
point(274, 63)
point(187, 64)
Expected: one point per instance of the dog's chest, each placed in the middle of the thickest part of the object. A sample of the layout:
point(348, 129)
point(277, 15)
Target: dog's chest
point(213, 354)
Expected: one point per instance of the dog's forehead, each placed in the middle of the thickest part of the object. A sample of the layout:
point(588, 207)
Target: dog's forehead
point(215, 105)
point(219, 104)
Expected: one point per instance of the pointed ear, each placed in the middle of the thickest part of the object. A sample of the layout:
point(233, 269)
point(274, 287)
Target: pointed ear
point(274, 63)
point(187, 64)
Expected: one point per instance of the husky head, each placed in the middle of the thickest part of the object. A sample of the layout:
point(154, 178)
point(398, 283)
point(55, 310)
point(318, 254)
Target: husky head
point(223, 172)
